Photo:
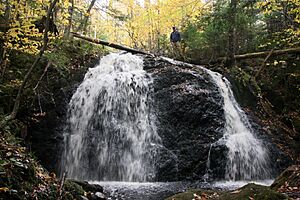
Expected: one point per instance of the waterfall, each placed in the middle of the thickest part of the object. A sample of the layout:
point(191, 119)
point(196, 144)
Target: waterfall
point(208, 170)
point(111, 134)
point(247, 158)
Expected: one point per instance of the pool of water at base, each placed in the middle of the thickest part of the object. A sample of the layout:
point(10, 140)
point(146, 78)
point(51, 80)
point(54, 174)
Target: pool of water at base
point(162, 190)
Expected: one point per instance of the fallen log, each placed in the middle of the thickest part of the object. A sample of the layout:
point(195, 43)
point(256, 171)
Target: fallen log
point(266, 53)
point(113, 45)
point(237, 57)
point(261, 54)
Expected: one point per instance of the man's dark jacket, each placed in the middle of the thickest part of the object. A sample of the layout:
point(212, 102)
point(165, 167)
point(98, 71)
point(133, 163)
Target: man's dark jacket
point(175, 36)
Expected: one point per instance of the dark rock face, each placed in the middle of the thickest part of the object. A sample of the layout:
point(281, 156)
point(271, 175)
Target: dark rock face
point(189, 112)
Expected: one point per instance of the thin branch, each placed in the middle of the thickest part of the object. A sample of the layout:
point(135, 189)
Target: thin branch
point(263, 64)
point(40, 79)
point(60, 189)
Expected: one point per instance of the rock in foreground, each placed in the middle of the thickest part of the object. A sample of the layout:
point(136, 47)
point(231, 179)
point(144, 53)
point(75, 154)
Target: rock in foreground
point(250, 191)
point(289, 182)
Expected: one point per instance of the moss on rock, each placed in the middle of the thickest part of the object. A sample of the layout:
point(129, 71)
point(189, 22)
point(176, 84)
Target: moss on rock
point(257, 192)
point(249, 191)
point(73, 188)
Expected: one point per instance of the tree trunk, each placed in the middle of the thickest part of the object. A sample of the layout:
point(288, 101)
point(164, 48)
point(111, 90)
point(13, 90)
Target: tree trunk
point(232, 32)
point(83, 24)
point(15, 110)
point(7, 15)
point(69, 26)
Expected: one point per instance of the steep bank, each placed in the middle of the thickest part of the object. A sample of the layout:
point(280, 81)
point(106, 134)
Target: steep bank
point(48, 108)
point(273, 97)
point(30, 145)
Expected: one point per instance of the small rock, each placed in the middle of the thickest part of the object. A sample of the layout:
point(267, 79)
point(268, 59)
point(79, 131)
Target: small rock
point(100, 195)
point(13, 191)
point(96, 196)
point(235, 192)
point(83, 198)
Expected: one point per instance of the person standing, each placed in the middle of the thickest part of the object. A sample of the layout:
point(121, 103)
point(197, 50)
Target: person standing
point(175, 36)
point(175, 39)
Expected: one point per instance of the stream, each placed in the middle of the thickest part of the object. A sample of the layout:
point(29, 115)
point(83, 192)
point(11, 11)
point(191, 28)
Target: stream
point(162, 190)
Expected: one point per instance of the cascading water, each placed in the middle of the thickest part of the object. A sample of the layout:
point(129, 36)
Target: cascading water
point(208, 171)
point(247, 159)
point(111, 133)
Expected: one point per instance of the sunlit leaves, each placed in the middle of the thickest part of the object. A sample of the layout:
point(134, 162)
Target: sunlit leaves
point(148, 22)
point(287, 12)
point(21, 33)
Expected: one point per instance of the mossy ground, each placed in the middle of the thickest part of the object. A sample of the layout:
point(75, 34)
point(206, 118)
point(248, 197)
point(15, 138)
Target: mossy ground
point(22, 177)
point(248, 192)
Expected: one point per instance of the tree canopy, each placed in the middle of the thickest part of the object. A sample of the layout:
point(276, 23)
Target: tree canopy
point(210, 29)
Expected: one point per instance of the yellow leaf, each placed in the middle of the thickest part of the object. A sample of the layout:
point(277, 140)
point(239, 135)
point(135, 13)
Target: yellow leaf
point(4, 189)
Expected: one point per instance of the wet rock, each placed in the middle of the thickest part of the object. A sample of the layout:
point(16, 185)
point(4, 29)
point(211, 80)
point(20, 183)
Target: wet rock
point(189, 111)
point(82, 198)
point(96, 196)
point(89, 187)
point(93, 191)
point(74, 188)
point(100, 195)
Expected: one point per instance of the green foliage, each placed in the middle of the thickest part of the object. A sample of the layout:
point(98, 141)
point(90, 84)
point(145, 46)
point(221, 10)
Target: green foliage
point(282, 20)
point(63, 55)
point(257, 26)
point(208, 36)
point(66, 51)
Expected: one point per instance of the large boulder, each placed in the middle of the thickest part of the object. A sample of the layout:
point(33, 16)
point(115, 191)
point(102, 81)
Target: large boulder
point(190, 117)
